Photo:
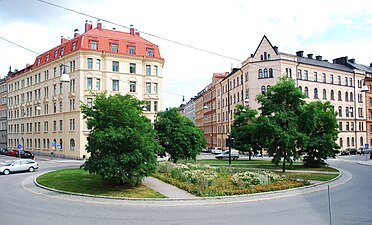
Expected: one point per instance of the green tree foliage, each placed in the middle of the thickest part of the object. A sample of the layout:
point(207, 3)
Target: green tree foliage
point(178, 135)
point(121, 141)
point(278, 125)
point(319, 123)
point(243, 129)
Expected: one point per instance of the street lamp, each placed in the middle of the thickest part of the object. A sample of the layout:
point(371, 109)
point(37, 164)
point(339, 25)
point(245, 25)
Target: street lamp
point(64, 77)
point(229, 143)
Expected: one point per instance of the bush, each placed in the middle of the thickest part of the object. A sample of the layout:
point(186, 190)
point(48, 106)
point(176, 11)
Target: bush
point(247, 179)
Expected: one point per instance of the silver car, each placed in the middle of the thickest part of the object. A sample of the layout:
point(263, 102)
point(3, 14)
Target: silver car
point(18, 165)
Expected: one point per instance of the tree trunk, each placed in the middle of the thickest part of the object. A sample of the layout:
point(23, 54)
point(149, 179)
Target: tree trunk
point(249, 155)
point(284, 159)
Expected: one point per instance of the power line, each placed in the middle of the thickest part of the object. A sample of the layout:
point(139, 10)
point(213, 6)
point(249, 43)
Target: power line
point(19, 45)
point(143, 32)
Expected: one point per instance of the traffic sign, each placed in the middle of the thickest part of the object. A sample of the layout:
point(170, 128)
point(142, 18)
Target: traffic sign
point(19, 146)
point(54, 143)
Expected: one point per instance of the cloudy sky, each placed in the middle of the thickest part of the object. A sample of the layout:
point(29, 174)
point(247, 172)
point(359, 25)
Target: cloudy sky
point(232, 28)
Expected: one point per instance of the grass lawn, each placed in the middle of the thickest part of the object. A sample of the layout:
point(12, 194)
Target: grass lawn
point(311, 176)
point(80, 181)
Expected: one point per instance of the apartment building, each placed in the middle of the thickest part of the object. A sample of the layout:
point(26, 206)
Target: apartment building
point(3, 109)
point(44, 113)
point(339, 82)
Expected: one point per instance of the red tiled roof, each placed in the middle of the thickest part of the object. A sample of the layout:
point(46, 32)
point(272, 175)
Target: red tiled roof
point(104, 40)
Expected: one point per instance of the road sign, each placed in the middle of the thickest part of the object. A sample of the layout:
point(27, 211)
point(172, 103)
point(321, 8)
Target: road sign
point(54, 143)
point(19, 146)
point(366, 145)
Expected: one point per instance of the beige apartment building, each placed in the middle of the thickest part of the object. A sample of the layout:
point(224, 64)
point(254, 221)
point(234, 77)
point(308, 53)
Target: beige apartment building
point(44, 113)
point(339, 82)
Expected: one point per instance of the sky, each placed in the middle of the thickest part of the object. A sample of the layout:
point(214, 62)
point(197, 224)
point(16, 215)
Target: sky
point(231, 28)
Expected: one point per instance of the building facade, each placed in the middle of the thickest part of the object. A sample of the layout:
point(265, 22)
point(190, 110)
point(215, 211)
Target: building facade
point(3, 109)
point(44, 113)
point(339, 82)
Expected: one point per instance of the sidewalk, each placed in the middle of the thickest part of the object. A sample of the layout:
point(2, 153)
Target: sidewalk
point(165, 189)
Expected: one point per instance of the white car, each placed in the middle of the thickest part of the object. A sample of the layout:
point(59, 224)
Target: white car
point(18, 166)
point(216, 151)
point(225, 155)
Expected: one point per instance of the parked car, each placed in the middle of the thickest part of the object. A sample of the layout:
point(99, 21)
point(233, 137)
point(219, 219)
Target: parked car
point(353, 151)
point(3, 151)
point(11, 153)
point(27, 154)
point(225, 155)
point(216, 151)
point(18, 166)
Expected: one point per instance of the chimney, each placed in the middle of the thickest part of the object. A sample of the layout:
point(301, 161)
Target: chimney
point(319, 57)
point(131, 29)
point(310, 56)
point(63, 40)
point(76, 33)
point(300, 53)
point(99, 25)
point(325, 60)
point(352, 61)
point(276, 49)
point(137, 33)
point(341, 60)
point(88, 25)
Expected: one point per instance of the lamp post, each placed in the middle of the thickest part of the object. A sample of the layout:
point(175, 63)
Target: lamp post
point(229, 143)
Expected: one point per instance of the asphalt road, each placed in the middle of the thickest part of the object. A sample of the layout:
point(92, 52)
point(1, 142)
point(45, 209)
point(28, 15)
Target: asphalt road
point(350, 204)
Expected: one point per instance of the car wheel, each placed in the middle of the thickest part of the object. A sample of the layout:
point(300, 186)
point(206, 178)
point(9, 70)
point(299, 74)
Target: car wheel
point(235, 158)
point(31, 169)
point(6, 172)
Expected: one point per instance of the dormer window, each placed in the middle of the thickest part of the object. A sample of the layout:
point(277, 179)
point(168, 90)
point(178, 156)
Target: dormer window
point(114, 47)
point(93, 45)
point(62, 50)
point(38, 61)
point(47, 58)
point(131, 50)
point(55, 53)
point(150, 52)
point(73, 46)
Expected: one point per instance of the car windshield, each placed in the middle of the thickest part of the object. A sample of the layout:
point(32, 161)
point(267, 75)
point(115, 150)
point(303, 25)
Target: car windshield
point(7, 163)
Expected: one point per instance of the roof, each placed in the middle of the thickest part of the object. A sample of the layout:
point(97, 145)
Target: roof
point(321, 63)
point(104, 39)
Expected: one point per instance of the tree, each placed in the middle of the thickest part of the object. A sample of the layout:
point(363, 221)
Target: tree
point(319, 123)
point(121, 141)
point(178, 135)
point(278, 124)
point(243, 129)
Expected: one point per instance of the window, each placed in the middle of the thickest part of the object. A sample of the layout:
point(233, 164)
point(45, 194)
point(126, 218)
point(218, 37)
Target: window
point(307, 92)
point(331, 78)
point(150, 52)
point(271, 75)
point(351, 97)
point(265, 73)
point(341, 143)
point(47, 58)
point(98, 84)
point(263, 90)
point(299, 74)
point(98, 64)
point(346, 81)
point(339, 96)
point(147, 106)
point(60, 125)
point(351, 82)
point(72, 124)
point(90, 63)
point(132, 50)
point(260, 73)
point(60, 88)
point(324, 94)
point(148, 70)
point(62, 50)
point(54, 107)
point(114, 47)
point(347, 111)
point(148, 88)
point(115, 85)
point(156, 107)
point(54, 125)
point(340, 111)
point(155, 88)
point(89, 83)
point(73, 47)
point(132, 68)
point(132, 86)
point(339, 80)
point(306, 75)
point(315, 93)
point(115, 66)
point(315, 76)
point(55, 53)
point(332, 95)
point(72, 144)
point(60, 106)
point(155, 70)
point(90, 102)
point(93, 45)
point(346, 96)
point(324, 78)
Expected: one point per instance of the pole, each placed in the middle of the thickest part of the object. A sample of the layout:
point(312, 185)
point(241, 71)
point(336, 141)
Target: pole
point(329, 207)
point(229, 142)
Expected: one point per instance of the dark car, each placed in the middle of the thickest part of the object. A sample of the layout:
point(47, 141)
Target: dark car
point(27, 154)
point(3, 151)
point(353, 151)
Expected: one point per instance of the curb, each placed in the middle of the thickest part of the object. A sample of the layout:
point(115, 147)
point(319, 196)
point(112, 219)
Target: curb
point(231, 197)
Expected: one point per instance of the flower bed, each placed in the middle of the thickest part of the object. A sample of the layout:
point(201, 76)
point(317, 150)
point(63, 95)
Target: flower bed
point(204, 180)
